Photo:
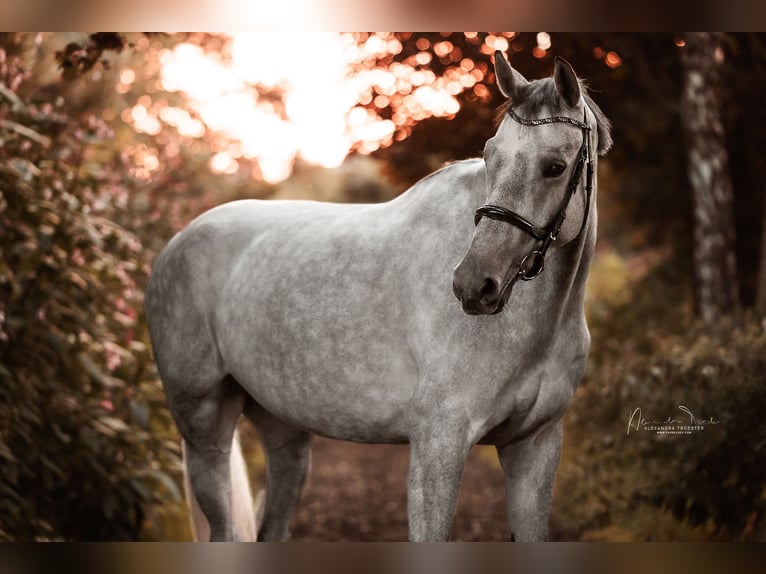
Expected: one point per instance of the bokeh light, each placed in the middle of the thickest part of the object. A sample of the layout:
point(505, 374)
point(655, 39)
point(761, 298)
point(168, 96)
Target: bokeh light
point(312, 102)
point(613, 60)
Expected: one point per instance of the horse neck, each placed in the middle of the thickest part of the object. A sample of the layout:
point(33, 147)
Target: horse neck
point(564, 292)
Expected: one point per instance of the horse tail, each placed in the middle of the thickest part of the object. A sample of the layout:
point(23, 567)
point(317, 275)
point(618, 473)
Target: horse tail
point(245, 514)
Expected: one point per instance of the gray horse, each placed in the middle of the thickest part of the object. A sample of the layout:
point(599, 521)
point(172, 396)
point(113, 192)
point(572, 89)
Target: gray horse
point(342, 320)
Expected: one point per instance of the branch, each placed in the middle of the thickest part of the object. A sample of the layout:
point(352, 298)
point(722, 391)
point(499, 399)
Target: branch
point(44, 141)
point(16, 102)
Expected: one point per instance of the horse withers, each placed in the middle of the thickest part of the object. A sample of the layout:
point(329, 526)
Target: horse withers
point(342, 320)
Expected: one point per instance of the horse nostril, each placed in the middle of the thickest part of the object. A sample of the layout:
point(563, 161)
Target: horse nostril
point(489, 290)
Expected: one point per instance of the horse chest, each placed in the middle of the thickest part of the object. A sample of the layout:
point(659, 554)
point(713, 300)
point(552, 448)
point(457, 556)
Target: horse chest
point(541, 391)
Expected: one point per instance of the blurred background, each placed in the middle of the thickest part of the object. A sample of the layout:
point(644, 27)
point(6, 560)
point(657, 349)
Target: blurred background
point(110, 143)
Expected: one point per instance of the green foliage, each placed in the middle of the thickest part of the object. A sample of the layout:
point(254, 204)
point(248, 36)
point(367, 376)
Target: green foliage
point(82, 450)
point(645, 486)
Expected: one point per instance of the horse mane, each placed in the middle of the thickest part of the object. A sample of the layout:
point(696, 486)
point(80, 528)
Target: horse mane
point(539, 94)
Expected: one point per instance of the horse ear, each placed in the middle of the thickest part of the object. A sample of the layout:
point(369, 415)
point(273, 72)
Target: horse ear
point(566, 81)
point(508, 80)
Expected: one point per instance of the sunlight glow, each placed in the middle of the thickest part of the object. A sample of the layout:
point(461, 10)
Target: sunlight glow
point(222, 162)
point(543, 40)
point(183, 122)
point(277, 99)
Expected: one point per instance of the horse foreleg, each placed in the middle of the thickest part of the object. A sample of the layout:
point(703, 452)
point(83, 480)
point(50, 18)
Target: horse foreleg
point(436, 470)
point(287, 450)
point(530, 470)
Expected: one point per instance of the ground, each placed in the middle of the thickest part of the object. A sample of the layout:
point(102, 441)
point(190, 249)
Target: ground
point(358, 493)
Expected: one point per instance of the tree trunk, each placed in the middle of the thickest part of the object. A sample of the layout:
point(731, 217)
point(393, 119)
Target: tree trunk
point(708, 168)
point(760, 293)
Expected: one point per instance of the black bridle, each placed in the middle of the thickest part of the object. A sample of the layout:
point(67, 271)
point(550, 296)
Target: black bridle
point(546, 234)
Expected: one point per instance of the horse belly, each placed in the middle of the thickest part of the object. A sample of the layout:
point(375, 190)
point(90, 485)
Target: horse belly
point(360, 410)
point(337, 395)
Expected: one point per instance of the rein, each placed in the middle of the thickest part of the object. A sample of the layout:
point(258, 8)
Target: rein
point(548, 234)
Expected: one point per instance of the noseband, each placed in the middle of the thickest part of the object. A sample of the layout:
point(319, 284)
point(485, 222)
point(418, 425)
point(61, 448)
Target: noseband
point(546, 235)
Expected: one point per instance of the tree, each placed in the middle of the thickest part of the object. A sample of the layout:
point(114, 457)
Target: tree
point(760, 296)
point(708, 171)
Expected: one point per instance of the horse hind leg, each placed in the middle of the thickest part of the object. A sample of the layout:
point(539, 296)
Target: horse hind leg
point(287, 450)
point(243, 516)
point(207, 420)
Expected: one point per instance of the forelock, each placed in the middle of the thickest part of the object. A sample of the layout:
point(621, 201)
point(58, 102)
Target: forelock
point(533, 97)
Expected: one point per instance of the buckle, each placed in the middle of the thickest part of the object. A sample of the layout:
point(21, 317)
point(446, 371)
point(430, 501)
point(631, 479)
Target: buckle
point(537, 267)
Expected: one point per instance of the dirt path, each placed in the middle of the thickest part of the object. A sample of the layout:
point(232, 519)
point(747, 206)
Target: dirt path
point(358, 493)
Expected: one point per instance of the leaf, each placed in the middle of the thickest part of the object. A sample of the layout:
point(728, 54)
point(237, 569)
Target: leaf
point(110, 506)
point(165, 479)
point(23, 168)
point(44, 141)
point(6, 453)
point(16, 103)
point(114, 424)
point(97, 374)
point(141, 489)
point(140, 413)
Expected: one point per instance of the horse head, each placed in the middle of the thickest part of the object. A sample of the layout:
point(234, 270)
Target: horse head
point(539, 168)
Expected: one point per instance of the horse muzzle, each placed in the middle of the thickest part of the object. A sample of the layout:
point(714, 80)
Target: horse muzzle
point(481, 294)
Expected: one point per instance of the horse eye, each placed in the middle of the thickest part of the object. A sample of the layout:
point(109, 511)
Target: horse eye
point(554, 170)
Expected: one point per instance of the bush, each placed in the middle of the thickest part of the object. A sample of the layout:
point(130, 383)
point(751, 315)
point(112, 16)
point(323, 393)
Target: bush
point(707, 485)
point(82, 440)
